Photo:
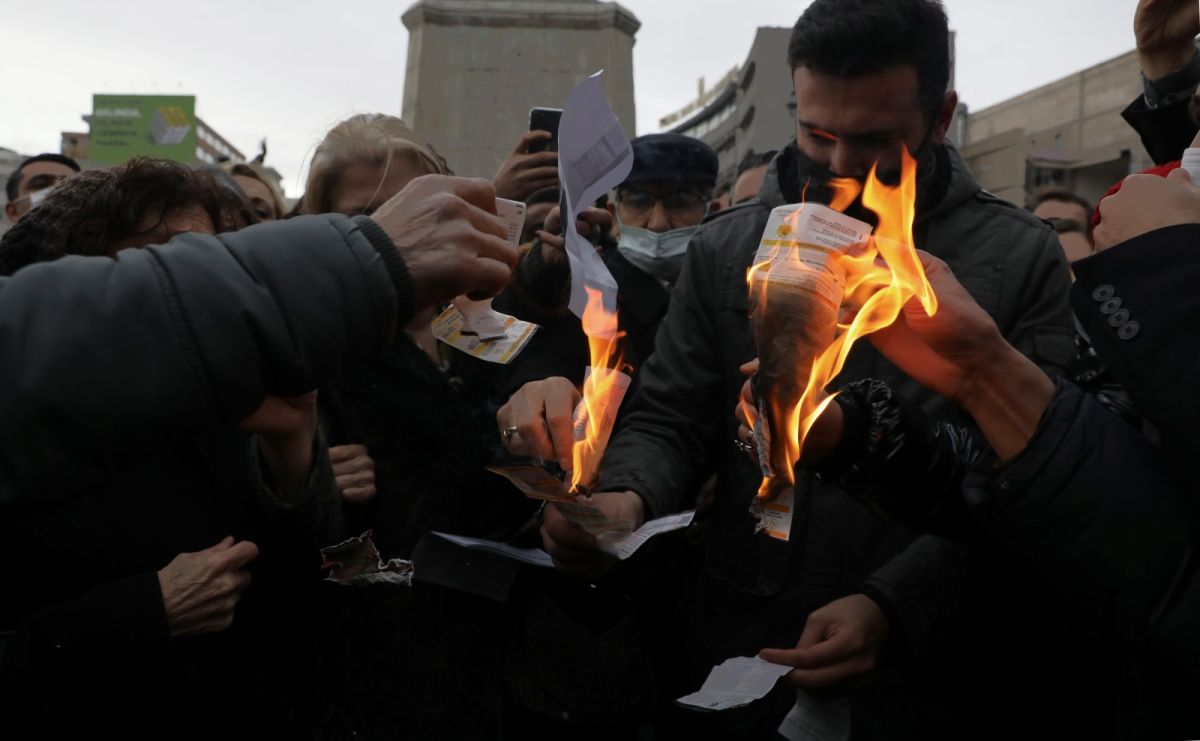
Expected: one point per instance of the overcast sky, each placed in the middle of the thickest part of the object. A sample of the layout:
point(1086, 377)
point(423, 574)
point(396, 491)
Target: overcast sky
point(290, 69)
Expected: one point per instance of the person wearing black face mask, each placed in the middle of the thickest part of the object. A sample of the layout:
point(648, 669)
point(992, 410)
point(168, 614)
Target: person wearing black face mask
point(861, 608)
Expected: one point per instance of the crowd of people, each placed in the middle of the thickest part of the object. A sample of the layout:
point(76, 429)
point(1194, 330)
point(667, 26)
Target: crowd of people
point(993, 533)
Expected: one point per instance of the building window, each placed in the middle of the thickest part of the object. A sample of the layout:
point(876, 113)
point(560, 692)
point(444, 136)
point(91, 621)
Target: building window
point(748, 75)
point(747, 119)
point(699, 130)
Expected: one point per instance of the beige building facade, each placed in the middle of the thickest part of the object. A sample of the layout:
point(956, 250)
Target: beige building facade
point(476, 67)
point(1067, 133)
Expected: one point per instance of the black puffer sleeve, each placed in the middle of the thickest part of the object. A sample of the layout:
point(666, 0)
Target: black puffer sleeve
point(101, 358)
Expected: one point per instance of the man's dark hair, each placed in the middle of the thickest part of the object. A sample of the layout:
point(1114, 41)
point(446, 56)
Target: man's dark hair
point(89, 213)
point(849, 38)
point(754, 159)
point(1057, 193)
point(14, 179)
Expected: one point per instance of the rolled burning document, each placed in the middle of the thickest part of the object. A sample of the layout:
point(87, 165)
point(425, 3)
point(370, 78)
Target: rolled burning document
point(796, 288)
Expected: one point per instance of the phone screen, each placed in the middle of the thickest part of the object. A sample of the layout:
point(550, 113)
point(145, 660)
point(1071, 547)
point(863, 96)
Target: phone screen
point(545, 119)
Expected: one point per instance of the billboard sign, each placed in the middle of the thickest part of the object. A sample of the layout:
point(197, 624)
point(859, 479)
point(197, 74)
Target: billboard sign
point(125, 126)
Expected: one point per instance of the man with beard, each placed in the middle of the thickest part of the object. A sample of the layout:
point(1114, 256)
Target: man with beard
point(913, 631)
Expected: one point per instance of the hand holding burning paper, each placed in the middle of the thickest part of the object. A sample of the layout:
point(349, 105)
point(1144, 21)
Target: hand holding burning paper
point(814, 262)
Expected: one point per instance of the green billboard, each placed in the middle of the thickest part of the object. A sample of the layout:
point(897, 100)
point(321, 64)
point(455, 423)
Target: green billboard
point(125, 126)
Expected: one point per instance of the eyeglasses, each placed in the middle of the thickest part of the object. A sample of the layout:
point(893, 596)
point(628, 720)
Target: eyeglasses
point(676, 203)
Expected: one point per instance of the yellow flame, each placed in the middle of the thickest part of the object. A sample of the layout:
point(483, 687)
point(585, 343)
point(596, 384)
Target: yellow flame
point(600, 389)
point(880, 279)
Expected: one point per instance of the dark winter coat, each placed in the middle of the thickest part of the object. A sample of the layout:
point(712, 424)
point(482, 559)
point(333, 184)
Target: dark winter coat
point(120, 381)
point(758, 591)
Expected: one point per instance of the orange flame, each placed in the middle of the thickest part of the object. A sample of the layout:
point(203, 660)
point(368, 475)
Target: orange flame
point(880, 278)
point(603, 390)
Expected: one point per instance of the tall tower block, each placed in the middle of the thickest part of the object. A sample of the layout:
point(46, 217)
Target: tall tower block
point(476, 67)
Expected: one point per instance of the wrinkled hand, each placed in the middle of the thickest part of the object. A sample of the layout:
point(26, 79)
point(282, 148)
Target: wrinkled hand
point(574, 550)
point(1145, 203)
point(842, 640)
point(285, 426)
point(201, 590)
point(353, 471)
point(590, 223)
point(823, 437)
point(525, 173)
point(452, 242)
point(1165, 31)
point(746, 411)
point(942, 352)
point(543, 413)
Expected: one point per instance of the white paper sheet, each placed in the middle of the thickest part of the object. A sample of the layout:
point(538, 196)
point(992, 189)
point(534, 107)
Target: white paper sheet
point(594, 156)
point(532, 556)
point(626, 546)
point(479, 319)
point(736, 682)
point(1191, 163)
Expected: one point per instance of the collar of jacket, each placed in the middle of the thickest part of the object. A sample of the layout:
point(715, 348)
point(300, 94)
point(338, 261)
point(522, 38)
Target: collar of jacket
point(944, 182)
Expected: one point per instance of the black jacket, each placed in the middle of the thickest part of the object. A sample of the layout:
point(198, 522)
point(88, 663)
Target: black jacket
point(1161, 115)
point(88, 627)
point(1108, 520)
point(681, 427)
point(1137, 303)
point(615, 627)
point(117, 454)
point(100, 356)
point(560, 348)
point(1089, 516)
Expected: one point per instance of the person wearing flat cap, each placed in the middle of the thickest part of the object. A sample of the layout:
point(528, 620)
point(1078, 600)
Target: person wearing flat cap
point(642, 238)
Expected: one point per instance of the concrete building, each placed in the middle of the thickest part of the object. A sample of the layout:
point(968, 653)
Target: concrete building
point(1068, 132)
point(476, 67)
point(752, 107)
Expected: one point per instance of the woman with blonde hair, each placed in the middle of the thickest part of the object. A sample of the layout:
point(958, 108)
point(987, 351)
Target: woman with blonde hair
point(262, 193)
point(412, 433)
point(363, 161)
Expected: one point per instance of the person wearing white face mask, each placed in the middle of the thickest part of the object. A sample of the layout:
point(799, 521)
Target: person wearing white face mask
point(30, 183)
point(606, 631)
point(656, 211)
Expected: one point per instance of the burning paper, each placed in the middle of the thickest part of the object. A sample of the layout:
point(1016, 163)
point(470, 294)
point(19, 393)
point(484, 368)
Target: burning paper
point(796, 289)
point(613, 537)
point(813, 263)
point(604, 385)
point(356, 562)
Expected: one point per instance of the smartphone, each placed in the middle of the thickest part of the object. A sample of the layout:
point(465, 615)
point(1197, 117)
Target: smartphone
point(545, 119)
